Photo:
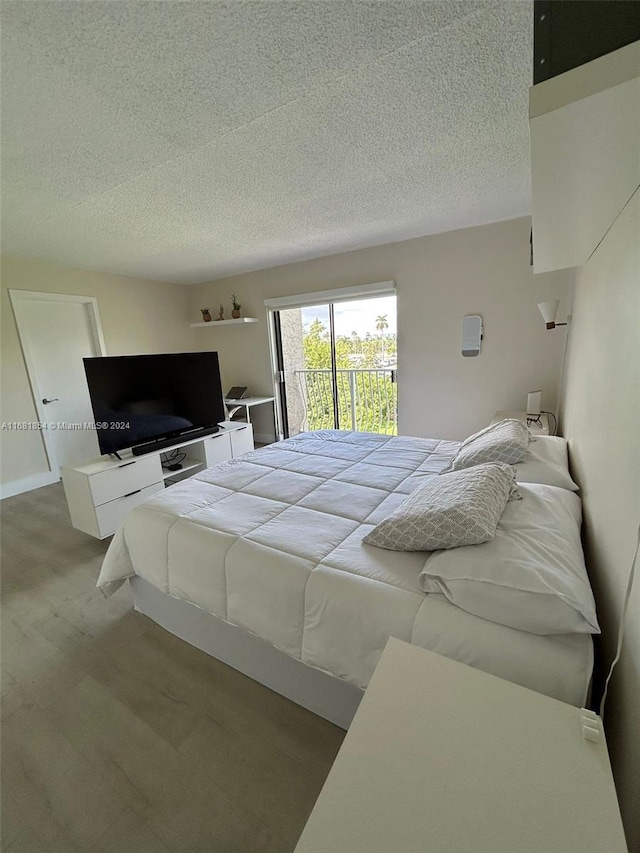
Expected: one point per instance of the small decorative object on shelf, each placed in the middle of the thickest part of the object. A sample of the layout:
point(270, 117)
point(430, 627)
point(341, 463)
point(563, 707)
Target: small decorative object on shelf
point(221, 313)
point(236, 306)
point(206, 316)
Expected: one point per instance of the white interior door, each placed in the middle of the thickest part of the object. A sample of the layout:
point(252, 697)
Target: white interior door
point(56, 333)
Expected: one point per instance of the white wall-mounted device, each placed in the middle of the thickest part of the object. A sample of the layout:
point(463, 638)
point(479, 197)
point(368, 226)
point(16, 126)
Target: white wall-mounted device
point(471, 335)
point(534, 403)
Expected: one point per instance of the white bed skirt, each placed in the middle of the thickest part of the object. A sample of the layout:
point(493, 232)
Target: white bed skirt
point(323, 694)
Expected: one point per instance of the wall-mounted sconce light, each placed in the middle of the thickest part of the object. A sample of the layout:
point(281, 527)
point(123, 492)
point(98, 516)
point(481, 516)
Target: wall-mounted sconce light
point(549, 311)
point(472, 334)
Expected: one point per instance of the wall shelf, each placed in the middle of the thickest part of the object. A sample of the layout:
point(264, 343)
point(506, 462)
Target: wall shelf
point(225, 322)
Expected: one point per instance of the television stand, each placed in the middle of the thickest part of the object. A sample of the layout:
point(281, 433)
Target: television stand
point(101, 491)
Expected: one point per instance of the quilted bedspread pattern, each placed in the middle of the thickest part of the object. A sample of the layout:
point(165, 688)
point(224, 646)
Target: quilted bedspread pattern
point(272, 542)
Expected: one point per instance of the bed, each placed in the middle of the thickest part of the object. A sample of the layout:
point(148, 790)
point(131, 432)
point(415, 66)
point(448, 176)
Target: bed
point(260, 562)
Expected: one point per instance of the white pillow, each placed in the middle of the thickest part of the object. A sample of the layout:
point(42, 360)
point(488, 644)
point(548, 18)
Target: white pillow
point(531, 576)
point(546, 462)
point(459, 508)
point(506, 441)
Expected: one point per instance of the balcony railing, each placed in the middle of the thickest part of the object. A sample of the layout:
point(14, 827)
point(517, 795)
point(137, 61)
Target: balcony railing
point(367, 399)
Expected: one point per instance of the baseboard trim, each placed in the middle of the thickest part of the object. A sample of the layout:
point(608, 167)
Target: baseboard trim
point(27, 484)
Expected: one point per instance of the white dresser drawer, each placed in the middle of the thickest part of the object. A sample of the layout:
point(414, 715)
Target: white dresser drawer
point(217, 448)
point(111, 514)
point(242, 441)
point(125, 478)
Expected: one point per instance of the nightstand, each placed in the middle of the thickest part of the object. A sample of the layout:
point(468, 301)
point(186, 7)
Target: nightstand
point(441, 757)
point(540, 427)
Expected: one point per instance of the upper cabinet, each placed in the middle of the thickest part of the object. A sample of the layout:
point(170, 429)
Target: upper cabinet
point(585, 155)
point(569, 33)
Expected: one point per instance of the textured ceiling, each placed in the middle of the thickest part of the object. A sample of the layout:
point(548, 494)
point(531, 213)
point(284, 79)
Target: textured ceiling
point(185, 141)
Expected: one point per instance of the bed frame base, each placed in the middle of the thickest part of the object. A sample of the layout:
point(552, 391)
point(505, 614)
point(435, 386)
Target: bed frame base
point(323, 694)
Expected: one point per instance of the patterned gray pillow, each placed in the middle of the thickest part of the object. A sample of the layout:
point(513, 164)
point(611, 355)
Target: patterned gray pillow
point(459, 508)
point(506, 441)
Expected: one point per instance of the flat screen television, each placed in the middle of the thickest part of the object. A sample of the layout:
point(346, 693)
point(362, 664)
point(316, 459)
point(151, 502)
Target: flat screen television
point(150, 401)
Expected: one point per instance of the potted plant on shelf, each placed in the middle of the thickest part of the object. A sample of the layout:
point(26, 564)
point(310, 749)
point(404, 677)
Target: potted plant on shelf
point(206, 316)
point(236, 306)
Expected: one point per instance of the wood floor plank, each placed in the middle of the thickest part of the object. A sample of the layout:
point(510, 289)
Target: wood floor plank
point(136, 761)
point(13, 696)
point(209, 687)
point(29, 843)
point(181, 801)
point(129, 834)
point(29, 737)
point(25, 842)
point(207, 821)
point(37, 666)
point(104, 619)
point(12, 822)
point(119, 737)
point(240, 702)
point(145, 694)
point(156, 704)
point(52, 784)
point(27, 587)
point(256, 774)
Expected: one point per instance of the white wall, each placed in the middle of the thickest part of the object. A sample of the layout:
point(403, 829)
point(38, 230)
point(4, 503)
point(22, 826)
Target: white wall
point(138, 316)
point(483, 270)
point(601, 420)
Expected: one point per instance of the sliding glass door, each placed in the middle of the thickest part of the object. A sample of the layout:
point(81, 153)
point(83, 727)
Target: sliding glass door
point(366, 364)
point(336, 365)
point(306, 368)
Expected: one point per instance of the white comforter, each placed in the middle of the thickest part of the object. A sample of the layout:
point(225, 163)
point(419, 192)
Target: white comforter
point(272, 542)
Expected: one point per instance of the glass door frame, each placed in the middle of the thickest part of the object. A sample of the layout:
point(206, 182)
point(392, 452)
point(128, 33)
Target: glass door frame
point(278, 356)
point(282, 418)
point(304, 300)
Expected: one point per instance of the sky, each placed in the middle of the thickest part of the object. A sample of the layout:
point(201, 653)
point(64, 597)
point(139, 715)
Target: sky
point(359, 316)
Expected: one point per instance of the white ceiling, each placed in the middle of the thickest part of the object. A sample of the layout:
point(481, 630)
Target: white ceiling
point(186, 141)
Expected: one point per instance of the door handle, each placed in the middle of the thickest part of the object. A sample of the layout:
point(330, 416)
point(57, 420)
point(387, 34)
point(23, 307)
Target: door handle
point(52, 400)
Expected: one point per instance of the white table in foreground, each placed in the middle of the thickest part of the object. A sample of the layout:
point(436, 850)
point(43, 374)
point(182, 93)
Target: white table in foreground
point(443, 758)
point(539, 427)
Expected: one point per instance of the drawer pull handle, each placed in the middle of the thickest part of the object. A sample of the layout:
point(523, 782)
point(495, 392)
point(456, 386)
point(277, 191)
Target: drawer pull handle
point(128, 495)
point(126, 464)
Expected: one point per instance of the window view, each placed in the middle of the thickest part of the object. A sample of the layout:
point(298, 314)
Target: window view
point(339, 365)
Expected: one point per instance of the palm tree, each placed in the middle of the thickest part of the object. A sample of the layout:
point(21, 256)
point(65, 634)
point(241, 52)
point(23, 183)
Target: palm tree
point(381, 325)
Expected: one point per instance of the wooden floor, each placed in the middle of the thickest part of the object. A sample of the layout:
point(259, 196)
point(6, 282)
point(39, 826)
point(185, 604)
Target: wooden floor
point(119, 738)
